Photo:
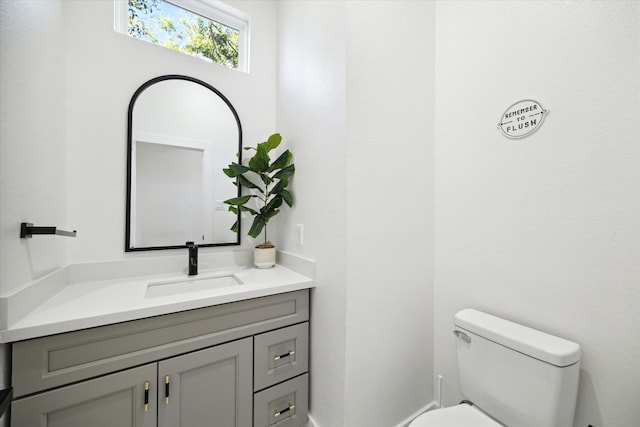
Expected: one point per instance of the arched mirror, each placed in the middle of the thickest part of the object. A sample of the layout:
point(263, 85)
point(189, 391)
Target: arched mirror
point(182, 132)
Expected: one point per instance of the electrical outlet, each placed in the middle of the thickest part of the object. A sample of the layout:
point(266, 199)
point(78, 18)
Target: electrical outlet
point(300, 233)
point(220, 206)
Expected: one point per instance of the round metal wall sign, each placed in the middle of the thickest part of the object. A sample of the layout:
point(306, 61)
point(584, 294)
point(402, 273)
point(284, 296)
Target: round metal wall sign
point(522, 119)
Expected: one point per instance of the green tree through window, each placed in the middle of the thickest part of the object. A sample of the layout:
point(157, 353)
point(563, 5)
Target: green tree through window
point(164, 24)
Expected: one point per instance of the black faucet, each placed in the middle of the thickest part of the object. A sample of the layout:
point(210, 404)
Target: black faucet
point(193, 258)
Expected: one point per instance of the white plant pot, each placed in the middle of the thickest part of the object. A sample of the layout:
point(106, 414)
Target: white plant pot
point(264, 257)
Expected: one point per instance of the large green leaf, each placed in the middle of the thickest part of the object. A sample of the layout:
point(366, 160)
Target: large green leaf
point(260, 161)
point(280, 185)
point(286, 172)
point(265, 178)
point(282, 161)
point(244, 181)
point(234, 227)
point(248, 209)
point(257, 226)
point(273, 141)
point(234, 170)
point(238, 201)
point(274, 203)
point(272, 213)
point(288, 197)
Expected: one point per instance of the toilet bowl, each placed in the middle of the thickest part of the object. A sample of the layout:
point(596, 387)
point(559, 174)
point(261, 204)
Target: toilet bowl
point(501, 365)
point(462, 415)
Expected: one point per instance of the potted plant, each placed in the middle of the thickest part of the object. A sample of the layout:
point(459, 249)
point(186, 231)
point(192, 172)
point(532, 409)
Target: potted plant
point(267, 182)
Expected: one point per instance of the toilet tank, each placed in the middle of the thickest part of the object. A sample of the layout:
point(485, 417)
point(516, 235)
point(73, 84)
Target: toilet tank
point(518, 375)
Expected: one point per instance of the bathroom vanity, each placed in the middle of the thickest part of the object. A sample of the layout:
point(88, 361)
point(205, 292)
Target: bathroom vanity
point(218, 357)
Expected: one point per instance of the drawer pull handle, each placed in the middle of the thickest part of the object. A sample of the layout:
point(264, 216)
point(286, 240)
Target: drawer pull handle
point(290, 408)
point(146, 396)
point(289, 354)
point(166, 389)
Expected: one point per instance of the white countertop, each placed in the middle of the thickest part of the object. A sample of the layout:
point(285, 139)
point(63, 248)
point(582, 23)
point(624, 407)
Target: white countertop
point(87, 304)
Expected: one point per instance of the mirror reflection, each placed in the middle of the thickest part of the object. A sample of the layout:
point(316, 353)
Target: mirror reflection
point(182, 133)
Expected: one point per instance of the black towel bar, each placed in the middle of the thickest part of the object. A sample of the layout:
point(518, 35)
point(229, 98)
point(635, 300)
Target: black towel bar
point(27, 230)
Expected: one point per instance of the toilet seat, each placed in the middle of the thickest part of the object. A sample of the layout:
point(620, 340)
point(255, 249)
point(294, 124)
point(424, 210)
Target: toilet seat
point(462, 415)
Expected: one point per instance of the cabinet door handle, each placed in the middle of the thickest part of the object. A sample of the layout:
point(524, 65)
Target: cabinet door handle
point(146, 396)
point(166, 389)
point(291, 407)
point(288, 354)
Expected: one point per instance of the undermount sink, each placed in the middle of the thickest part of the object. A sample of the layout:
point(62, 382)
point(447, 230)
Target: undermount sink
point(191, 284)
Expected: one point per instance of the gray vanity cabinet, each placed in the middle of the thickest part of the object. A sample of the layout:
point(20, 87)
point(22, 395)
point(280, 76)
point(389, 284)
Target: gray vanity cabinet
point(210, 387)
point(188, 369)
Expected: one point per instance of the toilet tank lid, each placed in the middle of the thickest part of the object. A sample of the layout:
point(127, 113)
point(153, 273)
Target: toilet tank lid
point(540, 345)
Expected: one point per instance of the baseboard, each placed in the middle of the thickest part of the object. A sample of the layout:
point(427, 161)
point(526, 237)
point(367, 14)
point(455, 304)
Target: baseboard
point(404, 423)
point(312, 422)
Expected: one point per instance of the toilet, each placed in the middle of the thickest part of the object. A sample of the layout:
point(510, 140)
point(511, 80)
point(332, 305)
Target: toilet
point(510, 375)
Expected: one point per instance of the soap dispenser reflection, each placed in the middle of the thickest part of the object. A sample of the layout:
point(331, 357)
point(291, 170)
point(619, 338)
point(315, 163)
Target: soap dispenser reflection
point(193, 258)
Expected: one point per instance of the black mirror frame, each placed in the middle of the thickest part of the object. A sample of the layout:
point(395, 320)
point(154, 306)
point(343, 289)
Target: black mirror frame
point(127, 244)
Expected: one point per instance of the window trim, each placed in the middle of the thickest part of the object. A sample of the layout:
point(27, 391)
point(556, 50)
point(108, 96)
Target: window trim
point(212, 9)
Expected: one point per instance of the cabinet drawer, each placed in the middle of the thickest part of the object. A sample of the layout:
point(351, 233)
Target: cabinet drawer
point(280, 355)
point(284, 405)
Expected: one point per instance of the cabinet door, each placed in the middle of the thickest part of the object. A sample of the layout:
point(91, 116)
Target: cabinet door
point(211, 387)
point(113, 400)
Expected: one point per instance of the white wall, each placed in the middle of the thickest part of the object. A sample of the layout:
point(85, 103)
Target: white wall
point(544, 230)
point(33, 154)
point(311, 117)
point(356, 107)
point(65, 89)
point(390, 113)
point(101, 82)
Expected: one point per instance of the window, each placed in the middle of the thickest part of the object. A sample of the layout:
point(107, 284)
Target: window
point(206, 29)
